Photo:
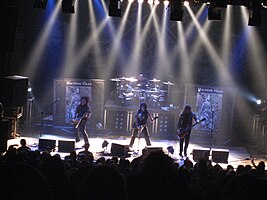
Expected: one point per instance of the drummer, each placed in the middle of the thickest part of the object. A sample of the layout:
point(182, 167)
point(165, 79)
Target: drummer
point(142, 82)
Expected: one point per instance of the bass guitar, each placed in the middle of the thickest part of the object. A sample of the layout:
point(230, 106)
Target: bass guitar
point(181, 133)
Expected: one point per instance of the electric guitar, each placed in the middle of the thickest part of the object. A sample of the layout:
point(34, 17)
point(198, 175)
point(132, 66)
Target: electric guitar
point(181, 133)
point(77, 121)
point(143, 126)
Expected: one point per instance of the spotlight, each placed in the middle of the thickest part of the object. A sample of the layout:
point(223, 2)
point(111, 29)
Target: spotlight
point(105, 144)
point(156, 2)
point(254, 7)
point(258, 102)
point(140, 1)
point(40, 4)
point(186, 3)
point(166, 3)
point(264, 3)
point(114, 8)
point(150, 2)
point(68, 6)
point(131, 1)
point(176, 10)
point(170, 149)
point(214, 13)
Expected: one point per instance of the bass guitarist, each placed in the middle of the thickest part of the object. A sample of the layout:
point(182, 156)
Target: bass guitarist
point(83, 112)
point(185, 121)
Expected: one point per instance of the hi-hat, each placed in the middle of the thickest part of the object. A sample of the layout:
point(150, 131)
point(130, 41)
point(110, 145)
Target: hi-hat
point(168, 83)
point(154, 80)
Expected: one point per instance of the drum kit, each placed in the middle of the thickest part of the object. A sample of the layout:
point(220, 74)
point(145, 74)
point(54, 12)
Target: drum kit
point(131, 91)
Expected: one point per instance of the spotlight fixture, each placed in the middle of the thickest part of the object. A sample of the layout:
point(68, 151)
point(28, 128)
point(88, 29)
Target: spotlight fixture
point(254, 7)
point(214, 13)
point(170, 149)
point(68, 6)
point(40, 4)
point(258, 102)
point(176, 10)
point(114, 8)
point(264, 3)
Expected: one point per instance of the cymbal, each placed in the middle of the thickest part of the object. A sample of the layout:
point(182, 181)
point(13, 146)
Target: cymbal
point(168, 83)
point(132, 79)
point(154, 80)
point(115, 79)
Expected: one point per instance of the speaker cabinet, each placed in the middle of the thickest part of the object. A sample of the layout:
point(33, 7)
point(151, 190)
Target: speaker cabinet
point(154, 149)
point(5, 129)
point(202, 153)
point(220, 155)
point(46, 144)
point(14, 91)
point(66, 146)
point(119, 150)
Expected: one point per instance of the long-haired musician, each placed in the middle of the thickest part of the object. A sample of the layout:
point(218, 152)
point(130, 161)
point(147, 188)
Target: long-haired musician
point(83, 112)
point(185, 120)
point(139, 126)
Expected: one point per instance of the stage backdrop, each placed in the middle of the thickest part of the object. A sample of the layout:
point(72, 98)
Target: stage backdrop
point(216, 104)
point(67, 95)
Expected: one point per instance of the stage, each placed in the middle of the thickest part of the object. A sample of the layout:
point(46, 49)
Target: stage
point(238, 155)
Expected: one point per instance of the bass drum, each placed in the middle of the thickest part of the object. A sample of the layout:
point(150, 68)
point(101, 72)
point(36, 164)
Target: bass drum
point(125, 98)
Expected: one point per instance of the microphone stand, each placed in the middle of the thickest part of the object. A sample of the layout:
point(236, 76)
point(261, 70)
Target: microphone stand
point(42, 114)
point(211, 129)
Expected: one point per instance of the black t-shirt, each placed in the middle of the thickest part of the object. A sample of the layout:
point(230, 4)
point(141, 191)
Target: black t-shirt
point(81, 110)
point(186, 120)
point(141, 117)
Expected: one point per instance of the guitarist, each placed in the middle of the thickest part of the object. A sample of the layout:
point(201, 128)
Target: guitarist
point(139, 125)
point(83, 112)
point(186, 120)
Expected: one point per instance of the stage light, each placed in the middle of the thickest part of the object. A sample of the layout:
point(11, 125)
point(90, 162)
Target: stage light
point(186, 3)
point(170, 149)
point(166, 3)
point(114, 8)
point(40, 4)
point(254, 7)
point(214, 13)
point(176, 10)
point(131, 1)
point(264, 3)
point(150, 2)
point(238, 2)
point(140, 1)
point(156, 2)
point(258, 102)
point(68, 6)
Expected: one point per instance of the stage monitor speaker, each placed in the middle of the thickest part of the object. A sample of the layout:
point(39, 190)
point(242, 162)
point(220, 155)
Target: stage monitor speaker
point(219, 155)
point(46, 144)
point(202, 153)
point(66, 146)
point(119, 150)
point(5, 129)
point(154, 149)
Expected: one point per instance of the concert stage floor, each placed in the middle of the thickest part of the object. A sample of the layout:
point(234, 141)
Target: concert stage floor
point(237, 154)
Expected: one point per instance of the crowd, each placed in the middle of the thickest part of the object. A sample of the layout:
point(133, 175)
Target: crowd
point(26, 174)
